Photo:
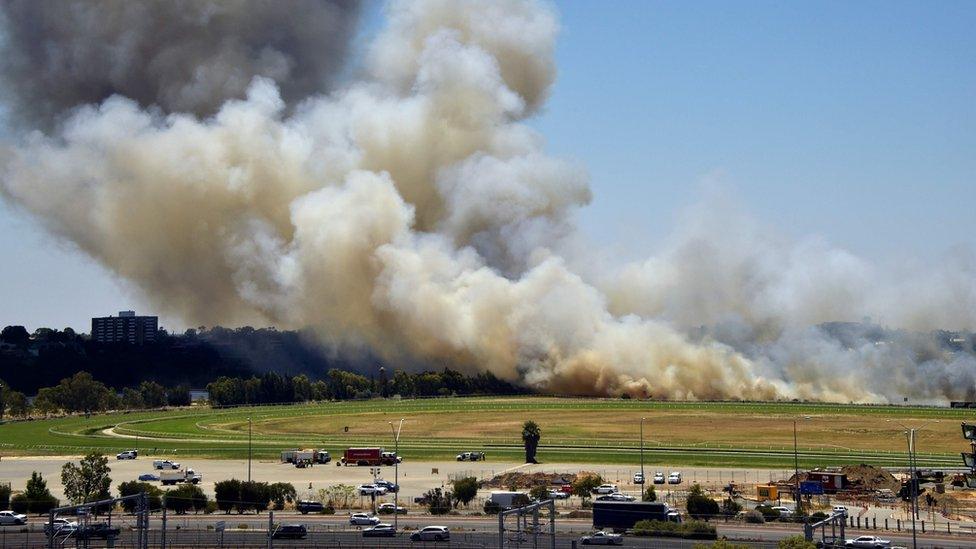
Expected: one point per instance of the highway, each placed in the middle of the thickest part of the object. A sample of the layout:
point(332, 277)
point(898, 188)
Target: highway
point(250, 531)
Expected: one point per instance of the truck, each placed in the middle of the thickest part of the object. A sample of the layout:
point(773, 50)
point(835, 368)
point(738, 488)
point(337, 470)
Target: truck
point(363, 456)
point(186, 475)
point(620, 516)
point(308, 456)
point(509, 500)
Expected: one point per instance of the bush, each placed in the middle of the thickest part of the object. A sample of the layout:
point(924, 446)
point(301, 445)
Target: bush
point(539, 493)
point(5, 496)
point(133, 487)
point(328, 509)
point(211, 507)
point(730, 507)
point(796, 542)
point(818, 516)
point(650, 494)
point(18, 503)
point(492, 508)
point(768, 512)
point(465, 490)
point(755, 517)
point(699, 505)
point(438, 501)
point(188, 497)
point(692, 529)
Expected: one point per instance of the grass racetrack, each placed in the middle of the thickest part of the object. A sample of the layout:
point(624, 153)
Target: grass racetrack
point(573, 430)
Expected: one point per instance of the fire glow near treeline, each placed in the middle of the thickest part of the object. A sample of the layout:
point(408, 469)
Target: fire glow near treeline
point(209, 153)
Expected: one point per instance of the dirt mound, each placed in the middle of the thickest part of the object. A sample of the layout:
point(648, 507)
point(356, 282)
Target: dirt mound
point(519, 481)
point(869, 477)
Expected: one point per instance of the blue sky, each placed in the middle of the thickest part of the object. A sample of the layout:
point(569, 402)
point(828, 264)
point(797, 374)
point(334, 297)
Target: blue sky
point(853, 121)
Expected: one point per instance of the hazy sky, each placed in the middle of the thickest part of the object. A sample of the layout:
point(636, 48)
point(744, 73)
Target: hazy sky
point(852, 121)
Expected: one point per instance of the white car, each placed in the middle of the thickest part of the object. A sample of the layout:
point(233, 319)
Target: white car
point(638, 478)
point(370, 489)
point(867, 541)
point(602, 538)
point(617, 496)
point(557, 494)
point(165, 464)
point(431, 533)
point(62, 527)
point(128, 454)
point(605, 489)
point(674, 478)
point(9, 518)
point(659, 478)
point(784, 512)
point(840, 510)
point(363, 519)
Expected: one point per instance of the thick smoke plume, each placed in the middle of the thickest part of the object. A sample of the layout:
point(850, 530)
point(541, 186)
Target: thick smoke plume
point(413, 213)
point(179, 55)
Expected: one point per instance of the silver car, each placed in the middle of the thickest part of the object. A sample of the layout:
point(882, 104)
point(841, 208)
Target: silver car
point(871, 542)
point(431, 533)
point(602, 538)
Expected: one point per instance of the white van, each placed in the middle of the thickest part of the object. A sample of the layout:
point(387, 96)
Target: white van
point(165, 464)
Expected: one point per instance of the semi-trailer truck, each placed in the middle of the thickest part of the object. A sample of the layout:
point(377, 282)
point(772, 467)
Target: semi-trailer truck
point(623, 515)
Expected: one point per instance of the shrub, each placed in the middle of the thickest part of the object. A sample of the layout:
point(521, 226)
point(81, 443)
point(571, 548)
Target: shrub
point(492, 508)
point(438, 501)
point(465, 490)
point(18, 503)
point(730, 507)
point(211, 507)
point(227, 493)
point(755, 517)
point(768, 512)
point(699, 505)
point(328, 509)
point(796, 542)
point(539, 493)
point(650, 494)
point(4, 496)
point(692, 529)
point(188, 497)
point(133, 487)
point(818, 516)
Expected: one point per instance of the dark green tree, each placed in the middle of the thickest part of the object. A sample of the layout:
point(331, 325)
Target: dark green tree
point(153, 394)
point(700, 506)
point(584, 484)
point(87, 481)
point(186, 497)
point(179, 395)
point(530, 437)
point(465, 490)
point(133, 487)
point(649, 494)
point(227, 493)
point(39, 498)
point(282, 493)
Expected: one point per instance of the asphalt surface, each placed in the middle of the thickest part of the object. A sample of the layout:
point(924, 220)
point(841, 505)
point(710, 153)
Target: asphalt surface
point(470, 532)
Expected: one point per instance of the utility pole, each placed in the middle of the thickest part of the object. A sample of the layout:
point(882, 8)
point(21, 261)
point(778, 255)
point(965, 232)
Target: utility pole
point(642, 454)
point(249, 448)
point(396, 473)
point(796, 469)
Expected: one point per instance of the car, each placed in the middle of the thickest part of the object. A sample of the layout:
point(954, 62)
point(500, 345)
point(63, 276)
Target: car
point(379, 531)
point(127, 454)
point(371, 489)
point(9, 518)
point(659, 478)
point(605, 489)
point(390, 458)
point(617, 496)
point(784, 512)
point(306, 506)
point(674, 478)
point(390, 508)
point(839, 510)
point(390, 487)
point(431, 533)
point(464, 456)
point(61, 527)
point(602, 538)
point(165, 464)
point(290, 531)
point(363, 519)
point(98, 530)
point(557, 494)
point(867, 541)
point(148, 477)
point(638, 478)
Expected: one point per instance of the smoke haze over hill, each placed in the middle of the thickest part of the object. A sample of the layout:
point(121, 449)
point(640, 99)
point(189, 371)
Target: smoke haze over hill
point(413, 213)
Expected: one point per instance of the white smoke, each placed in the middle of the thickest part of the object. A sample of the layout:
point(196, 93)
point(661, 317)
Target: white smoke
point(412, 212)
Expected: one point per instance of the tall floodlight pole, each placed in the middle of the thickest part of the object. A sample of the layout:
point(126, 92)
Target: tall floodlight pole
point(642, 450)
point(249, 448)
point(796, 469)
point(396, 472)
point(914, 482)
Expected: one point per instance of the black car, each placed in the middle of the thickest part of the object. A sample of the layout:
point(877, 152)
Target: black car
point(98, 530)
point(379, 531)
point(306, 507)
point(290, 531)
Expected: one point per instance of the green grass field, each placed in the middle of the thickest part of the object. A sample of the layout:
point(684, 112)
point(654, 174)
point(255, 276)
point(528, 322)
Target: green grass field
point(574, 430)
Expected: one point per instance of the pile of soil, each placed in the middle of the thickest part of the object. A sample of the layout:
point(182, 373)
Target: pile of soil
point(869, 477)
point(521, 481)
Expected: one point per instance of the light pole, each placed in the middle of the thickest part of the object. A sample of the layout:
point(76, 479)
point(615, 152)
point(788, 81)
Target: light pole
point(396, 472)
point(249, 448)
point(796, 468)
point(642, 453)
point(912, 476)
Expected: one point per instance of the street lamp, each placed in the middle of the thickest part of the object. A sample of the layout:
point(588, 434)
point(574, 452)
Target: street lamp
point(796, 468)
point(912, 474)
point(396, 472)
point(642, 450)
point(249, 448)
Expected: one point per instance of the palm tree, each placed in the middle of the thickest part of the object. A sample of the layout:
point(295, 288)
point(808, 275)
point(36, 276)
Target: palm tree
point(530, 436)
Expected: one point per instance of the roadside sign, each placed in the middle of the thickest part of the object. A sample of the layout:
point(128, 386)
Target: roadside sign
point(969, 431)
point(969, 459)
point(219, 527)
point(811, 487)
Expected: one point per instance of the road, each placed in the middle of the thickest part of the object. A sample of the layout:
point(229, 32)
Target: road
point(472, 532)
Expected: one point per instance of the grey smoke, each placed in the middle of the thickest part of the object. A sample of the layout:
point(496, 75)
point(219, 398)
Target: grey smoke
point(412, 211)
point(179, 55)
